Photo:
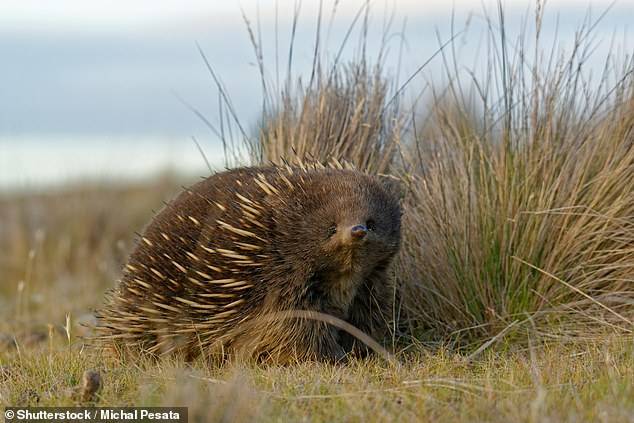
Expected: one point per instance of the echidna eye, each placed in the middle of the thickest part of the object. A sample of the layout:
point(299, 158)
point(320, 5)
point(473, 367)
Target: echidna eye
point(332, 230)
point(370, 224)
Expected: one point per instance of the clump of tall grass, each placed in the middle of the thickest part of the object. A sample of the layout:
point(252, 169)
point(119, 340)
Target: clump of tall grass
point(519, 212)
point(345, 110)
point(522, 214)
point(342, 115)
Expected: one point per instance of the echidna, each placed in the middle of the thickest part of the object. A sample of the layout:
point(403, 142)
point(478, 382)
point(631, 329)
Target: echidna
point(217, 269)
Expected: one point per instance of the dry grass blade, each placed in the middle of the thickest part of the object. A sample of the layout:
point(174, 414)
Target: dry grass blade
point(336, 322)
point(577, 290)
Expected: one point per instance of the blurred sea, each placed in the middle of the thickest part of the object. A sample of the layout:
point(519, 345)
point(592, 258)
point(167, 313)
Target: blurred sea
point(36, 163)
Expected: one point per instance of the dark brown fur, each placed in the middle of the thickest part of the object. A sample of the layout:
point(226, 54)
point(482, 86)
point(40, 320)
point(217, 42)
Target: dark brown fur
point(217, 268)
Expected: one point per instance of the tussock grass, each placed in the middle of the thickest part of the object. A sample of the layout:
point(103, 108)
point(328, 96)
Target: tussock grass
point(345, 110)
point(342, 115)
point(521, 215)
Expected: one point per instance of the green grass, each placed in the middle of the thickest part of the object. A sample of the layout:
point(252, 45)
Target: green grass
point(588, 381)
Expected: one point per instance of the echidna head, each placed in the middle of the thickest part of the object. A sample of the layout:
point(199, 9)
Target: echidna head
point(349, 227)
point(361, 228)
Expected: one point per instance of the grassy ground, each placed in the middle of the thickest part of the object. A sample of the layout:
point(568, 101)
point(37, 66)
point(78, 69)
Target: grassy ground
point(587, 382)
point(63, 250)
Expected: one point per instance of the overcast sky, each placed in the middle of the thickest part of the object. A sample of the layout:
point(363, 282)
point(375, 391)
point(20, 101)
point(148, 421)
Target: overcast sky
point(106, 67)
point(98, 14)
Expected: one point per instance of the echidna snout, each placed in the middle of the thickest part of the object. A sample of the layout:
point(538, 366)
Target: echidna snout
point(217, 269)
point(358, 232)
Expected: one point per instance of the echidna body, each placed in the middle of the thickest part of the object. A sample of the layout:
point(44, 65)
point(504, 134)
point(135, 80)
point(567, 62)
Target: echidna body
point(217, 269)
